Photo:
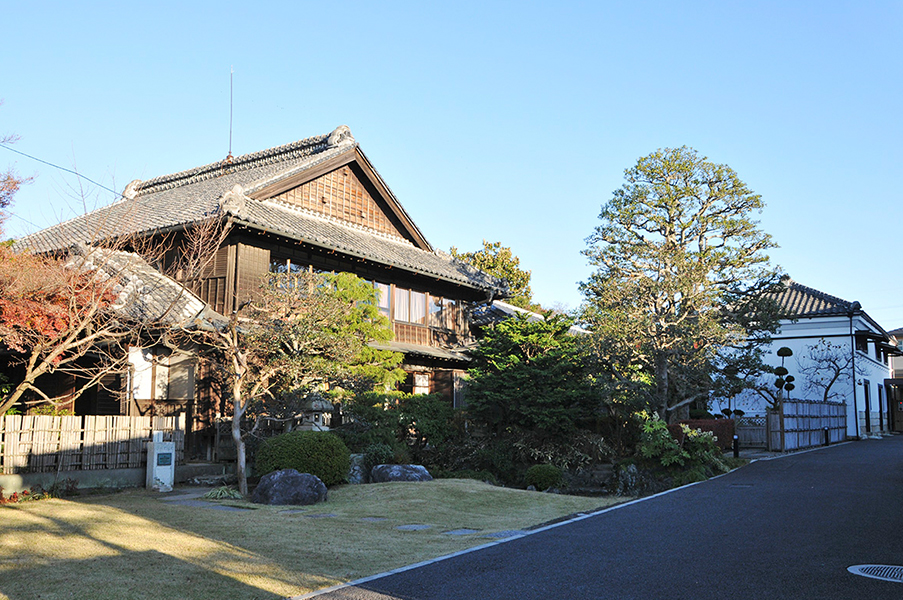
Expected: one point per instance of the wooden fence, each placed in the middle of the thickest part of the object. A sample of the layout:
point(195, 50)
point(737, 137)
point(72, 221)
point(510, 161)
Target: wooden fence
point(42, 443)
point(801, 424)
point(751, 432)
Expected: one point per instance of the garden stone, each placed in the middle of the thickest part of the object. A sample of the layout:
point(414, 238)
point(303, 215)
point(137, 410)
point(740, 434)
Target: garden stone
point(357, 473)
point(383, 473)
point(289, 487)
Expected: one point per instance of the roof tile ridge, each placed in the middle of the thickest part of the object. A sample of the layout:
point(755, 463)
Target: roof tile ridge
point(336, 221)
point(238, 163)
point(52, 229)
point(819, 294)
point(310, 161)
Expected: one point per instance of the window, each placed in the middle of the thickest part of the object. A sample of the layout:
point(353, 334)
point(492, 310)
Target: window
point(385, 298)
point(402, 304)
point(418, 307)
point(410, 306)
point(880, 407)
point(862, 344)
point(443, 313)
point(866, 388)
point(421, 383)
point(285, 265)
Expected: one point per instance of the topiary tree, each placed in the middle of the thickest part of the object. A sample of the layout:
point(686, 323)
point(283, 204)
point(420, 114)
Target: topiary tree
point(784, 381)
point(319, 453)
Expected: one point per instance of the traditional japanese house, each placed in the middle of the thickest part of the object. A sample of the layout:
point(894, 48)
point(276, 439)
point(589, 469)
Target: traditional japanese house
point(314, 204)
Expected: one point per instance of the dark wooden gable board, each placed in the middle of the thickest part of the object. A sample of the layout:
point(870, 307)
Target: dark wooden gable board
point(347, 188)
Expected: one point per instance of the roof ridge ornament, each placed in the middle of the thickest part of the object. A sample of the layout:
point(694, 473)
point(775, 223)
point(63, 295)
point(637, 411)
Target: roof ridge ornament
point(131, 190)
point(340, 137)
point(234, 201)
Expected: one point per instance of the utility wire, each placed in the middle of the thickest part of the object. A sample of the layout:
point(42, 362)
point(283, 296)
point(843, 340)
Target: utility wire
point(76, 173)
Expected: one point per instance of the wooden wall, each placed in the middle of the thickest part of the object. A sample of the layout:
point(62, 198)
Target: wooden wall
point(342, 194)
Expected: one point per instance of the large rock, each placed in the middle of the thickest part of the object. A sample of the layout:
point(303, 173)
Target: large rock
point(357, 473)
point(289, 487)
point(383, 473)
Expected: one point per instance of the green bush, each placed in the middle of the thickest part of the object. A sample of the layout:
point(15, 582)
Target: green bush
point(657, 443)
point(543, 477)
point(415, 426)
point(319, 453)
point(378, 454)
point(696, 452)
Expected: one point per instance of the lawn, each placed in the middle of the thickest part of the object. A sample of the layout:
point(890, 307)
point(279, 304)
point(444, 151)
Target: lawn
point(135, 545)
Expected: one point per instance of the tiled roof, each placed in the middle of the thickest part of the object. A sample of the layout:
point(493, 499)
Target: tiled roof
point(797, 300)
point(173, 201)
point(144, 294)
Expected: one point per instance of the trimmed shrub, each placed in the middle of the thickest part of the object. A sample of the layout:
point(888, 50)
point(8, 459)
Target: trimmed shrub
point(319, 453)
point(543, 477)
point(378, 454)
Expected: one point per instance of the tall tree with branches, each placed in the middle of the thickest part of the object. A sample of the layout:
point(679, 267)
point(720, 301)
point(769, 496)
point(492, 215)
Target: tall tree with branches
point(682, 273)
point(500, 261)
point(304, 331)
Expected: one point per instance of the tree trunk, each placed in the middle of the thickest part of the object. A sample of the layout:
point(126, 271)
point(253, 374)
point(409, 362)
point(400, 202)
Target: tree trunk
point(240, 459)
point(238, 410)
point(661, 384)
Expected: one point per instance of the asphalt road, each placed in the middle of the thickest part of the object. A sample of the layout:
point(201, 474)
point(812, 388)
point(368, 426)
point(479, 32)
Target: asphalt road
point(782, 528)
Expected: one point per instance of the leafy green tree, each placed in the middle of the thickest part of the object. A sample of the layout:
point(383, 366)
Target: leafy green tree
point(499, 261)
point(530, 374)
point(682, 274)
point(304, 331)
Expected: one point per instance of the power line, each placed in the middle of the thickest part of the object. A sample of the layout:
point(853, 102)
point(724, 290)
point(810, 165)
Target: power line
point(76, 173)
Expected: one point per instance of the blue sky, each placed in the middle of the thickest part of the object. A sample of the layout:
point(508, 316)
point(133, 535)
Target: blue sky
point(511, 122)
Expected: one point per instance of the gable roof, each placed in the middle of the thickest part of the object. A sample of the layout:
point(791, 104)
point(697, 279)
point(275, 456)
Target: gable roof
point(798, 301)
point(801, 302)
point(243, 188)
point(144, 294)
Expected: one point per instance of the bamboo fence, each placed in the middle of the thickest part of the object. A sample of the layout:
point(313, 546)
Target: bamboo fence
point(801, 424)
point(43, 443)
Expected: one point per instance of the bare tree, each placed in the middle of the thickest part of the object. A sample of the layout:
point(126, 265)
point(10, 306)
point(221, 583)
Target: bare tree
point(304, 331)
point(78, 315)
point(10, 180)
point(827, 366)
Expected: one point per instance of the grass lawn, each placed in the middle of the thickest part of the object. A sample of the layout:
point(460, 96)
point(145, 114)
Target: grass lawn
point(133, 545)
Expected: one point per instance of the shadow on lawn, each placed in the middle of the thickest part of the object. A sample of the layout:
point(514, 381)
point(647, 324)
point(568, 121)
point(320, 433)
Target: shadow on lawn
point(147, 574)
point(88, 553)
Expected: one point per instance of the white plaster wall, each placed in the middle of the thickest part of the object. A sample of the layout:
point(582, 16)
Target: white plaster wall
point(798, 336)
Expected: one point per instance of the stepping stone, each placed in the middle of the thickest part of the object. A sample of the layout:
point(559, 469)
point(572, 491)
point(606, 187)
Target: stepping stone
point(321, 516)
point(413, 527)
point(196, 503)
point(220, 507)
point(498, 535)
point(374, 519)
point(461, 532)
point(178, 497)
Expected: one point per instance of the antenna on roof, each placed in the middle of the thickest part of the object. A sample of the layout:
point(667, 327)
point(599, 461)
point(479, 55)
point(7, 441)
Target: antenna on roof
point(231, 71)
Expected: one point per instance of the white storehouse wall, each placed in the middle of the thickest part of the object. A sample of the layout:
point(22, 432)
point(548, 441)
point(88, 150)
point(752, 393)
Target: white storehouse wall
point(805, 332)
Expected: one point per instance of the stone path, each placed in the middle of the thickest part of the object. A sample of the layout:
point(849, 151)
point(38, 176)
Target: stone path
point(194, 497)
